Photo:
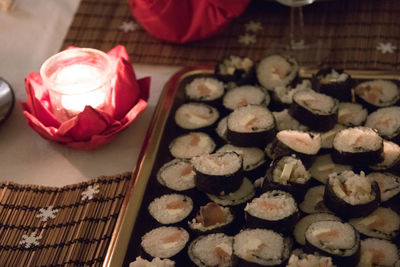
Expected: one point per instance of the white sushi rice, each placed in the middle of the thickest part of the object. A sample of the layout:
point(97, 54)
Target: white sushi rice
point(250, 118)
point(170, 208)
point(289, 169)
point(314, 200)
point(386, 121)
point(299, 141)
point(328, 137)
point(232, 63)
point(222, 163)
point(205, 89)
point(377, 252)
point(191, 145)
point(382, 223)
point(192, 116)
point(286, 122)
point(302, 225)
point(323, 166)
point(284, 94)
point(156, 262)
point(351, 114)
point(357, 139)
point(252, 156)
point(165, 241)
point(211, 250)
point(222, 128)
point(390, 155)
point(381, 93)
point(316, 103)
point(245, 192)
point(177, 175)
point(389, 184)
point(309, 260)
point(273, 206)
point(245, 95)
point(194, 224)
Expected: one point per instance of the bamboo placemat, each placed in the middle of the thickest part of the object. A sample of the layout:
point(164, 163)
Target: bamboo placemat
point(67, 226)
point(354, 34)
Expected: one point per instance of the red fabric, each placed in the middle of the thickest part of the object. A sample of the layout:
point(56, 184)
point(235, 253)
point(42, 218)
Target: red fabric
point(185, 20)
point(91, 128)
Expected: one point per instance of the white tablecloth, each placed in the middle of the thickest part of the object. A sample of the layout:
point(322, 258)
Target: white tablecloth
point(29, 34)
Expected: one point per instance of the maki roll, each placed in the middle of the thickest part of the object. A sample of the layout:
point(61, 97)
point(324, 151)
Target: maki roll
point(205, 89)
point(251, 126)
point(377, 94)
point(156, 262)
point(276, 210)
point(245, 95)
point(351, 114)
point(323, 166)
point(282, 96)
point(196, 116)
point(260, 247)
point(284, 121)
point(377, 252)
point(277, 70)
point(317, 111)
point(351, 195)
point(245, 192)
point(177, 175)
point(359, 146)
point(236, 70)
point(382, 223)
point(212, 218)
point(222, 129)
point(301, 259)
point(387, 122)
point(333, 82)
point(335, 239)
point(214, 250)
point(389, 186)
point(390, 159)
point(314, 201)
point(190, 145)
point(219, 173)
point(170, 208)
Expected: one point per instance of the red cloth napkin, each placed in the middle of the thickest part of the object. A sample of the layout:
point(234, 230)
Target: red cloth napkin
point(185, 20)
point(91, 128)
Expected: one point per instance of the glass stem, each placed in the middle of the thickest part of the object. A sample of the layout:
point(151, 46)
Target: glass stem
point(296, 28)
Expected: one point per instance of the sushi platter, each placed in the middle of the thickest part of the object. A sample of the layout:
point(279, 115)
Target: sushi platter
point(267, 164)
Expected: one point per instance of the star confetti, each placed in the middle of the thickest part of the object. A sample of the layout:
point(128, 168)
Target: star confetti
point(386, 48)
point(47, 213)
point(253, 26)
point(129, 26)
point(30, 240)
point(90, 191)
point(247, 39)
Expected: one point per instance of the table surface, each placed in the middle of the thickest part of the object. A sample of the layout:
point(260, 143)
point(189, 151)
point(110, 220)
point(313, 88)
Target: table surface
point(29, 34)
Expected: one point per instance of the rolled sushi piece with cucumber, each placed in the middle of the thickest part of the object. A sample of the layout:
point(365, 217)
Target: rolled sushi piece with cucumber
point(378, 252)
point(377, 94)
point(206, 90)
point(275, 210)
point(334, 239)
point(390, 159)
point(235, 70)
point(333, 82)
point(196, 116)
point(251, 126)
point(351, 195)
point(317, 111)
point(219, 173)
point(386, 121)
point(260, 247)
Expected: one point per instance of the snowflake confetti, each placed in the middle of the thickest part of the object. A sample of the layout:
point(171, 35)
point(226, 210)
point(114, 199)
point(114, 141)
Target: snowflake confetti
point(247, 39)
point(47, 213)
point(30, 240)
point(253, 26)
point(129, 26)
point(386, 48)
point(90, 191)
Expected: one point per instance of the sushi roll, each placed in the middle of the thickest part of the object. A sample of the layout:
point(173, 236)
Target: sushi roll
point(196, 116)
point(302, 225)
point(177, 175)
point(190, 145)
point(314, 201)
point(386, 121)
point(251, 125)
point(282, 96)
point(260, 247)
point(222, 129)
point(289, 174)
point(214, 250)
point(323, 166)
point(301, 259)
point(317, 111)
point(351, 195)
point(390, 159)
point(219, 173)
point(212, 218)
point(236, 70)
point(254, 162)
point(333, 82)
point(165, 242)
point(245, 95)
point(351, 114)
point(359, 146)
point(206, 90)
point(284, 121)
point(277, 70)
point(389, 186)
point(245, 192)
point(382, 223)
point(377, 252)
point(156, 262)
point(328, 137)
point(335, 239)
point(377, 94)
point(275, 210)
point(170, 208)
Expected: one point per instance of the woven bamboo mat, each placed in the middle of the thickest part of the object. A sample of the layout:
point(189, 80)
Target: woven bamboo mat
point(356, 34)
point(67, 226)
